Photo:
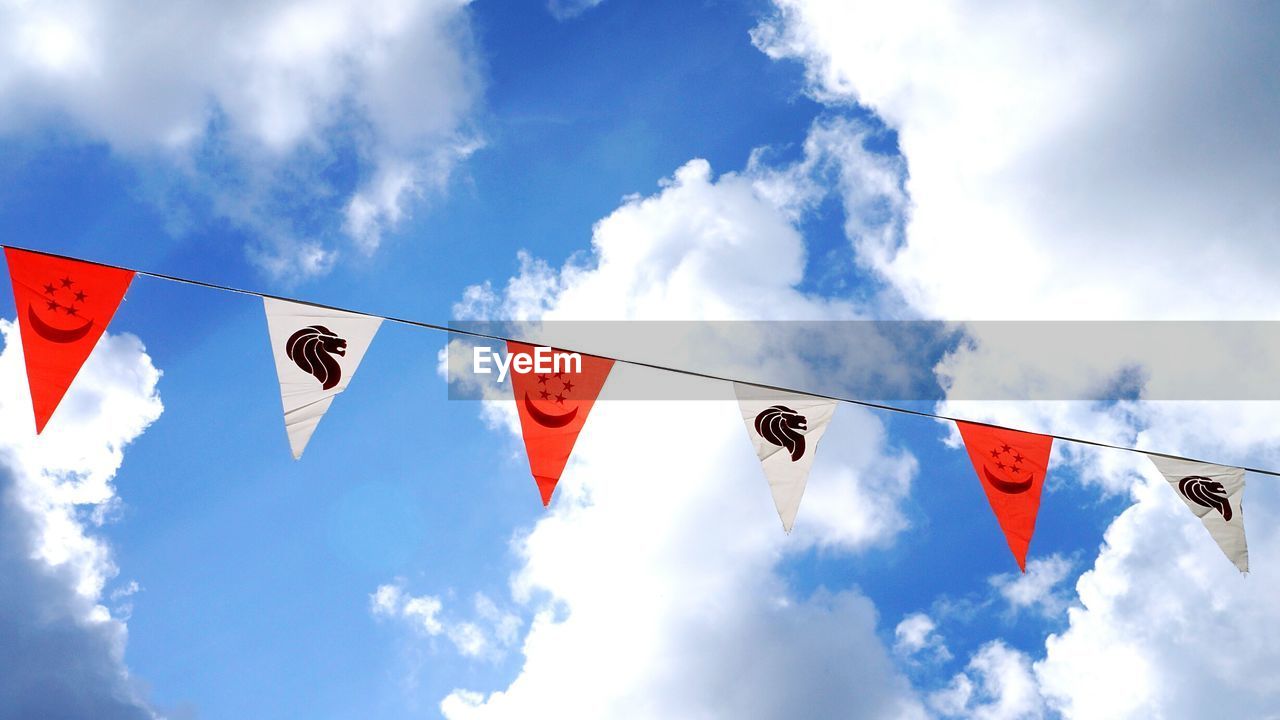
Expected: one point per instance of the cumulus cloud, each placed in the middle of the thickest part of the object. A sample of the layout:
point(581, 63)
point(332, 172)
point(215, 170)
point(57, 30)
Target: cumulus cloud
point(1074, 161)
point(254, 102)
point(1087, 162)
point(652, 581)
point(997, 684)
point(1039, 588)
point(1162, 616)
point(917, 633)
point(1166, 625)
point(62, 653)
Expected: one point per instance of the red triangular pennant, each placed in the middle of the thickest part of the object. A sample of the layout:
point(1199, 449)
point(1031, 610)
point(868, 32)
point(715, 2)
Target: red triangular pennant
point(63, 307)
point(553, 407)
point(1011, 466)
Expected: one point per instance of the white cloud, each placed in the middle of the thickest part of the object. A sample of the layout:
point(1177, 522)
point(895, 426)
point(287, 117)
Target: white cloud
point(386, 601)
point(127, 591)
point(651, 579)
point(1162, 625)
point(952, 700)
point(1167, 627)
point(380, 204)
point(1087, 161)
point(489, 637)
point(64, 650)
point(253, 101)
point(424, 611)
point(1077, 161)
point(1039, 587)
point(566, 9)
point(505, 625)
point(998, 684)
point(918, 632)
point(469, 639)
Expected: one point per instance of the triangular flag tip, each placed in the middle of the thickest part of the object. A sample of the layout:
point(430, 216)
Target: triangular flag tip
point(784, 429)
point(546, 486)
point(553, 407)
point(316, 351)
point(1011, 465)
point(1215, 494)
point(64, 307)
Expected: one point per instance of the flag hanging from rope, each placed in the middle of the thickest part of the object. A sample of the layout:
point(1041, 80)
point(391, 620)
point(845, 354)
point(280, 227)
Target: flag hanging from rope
point(785, 429)
point(317, 351)
point(1011, 466)
point(63, 307)
point(553, 408)
point(1215, 494)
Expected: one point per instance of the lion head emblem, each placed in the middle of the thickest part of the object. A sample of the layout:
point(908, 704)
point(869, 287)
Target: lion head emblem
point(780, 425)
point(312, 349)
point(1206, 492)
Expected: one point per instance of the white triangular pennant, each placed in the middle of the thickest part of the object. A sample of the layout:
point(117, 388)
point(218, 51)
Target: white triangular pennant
point(1215, 493)
point(785, 429)
point(317, 351)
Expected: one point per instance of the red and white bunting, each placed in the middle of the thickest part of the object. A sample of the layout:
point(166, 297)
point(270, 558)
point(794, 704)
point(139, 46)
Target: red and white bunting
point(64, 306)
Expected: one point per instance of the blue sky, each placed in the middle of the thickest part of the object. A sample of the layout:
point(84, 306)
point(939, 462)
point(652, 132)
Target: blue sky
point(860, 162)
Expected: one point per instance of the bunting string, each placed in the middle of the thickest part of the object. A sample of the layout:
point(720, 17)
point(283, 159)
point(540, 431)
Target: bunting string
point(329, 310)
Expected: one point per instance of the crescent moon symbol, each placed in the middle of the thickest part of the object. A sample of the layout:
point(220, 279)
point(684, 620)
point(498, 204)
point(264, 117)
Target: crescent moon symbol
point(53, 334)
point(547, 419)
point(1004, 486)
